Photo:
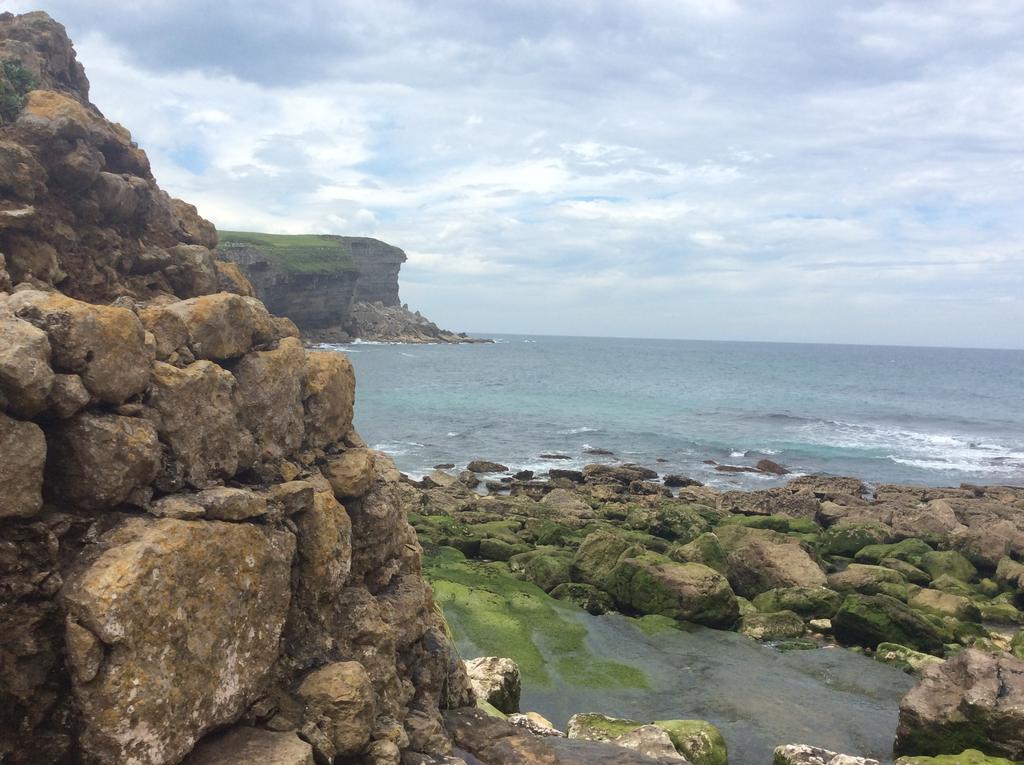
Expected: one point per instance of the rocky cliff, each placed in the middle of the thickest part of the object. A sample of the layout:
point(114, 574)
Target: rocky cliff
point(334, 288)
point(199, 558)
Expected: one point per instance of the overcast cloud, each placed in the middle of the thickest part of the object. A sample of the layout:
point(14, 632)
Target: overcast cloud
point(803, 170)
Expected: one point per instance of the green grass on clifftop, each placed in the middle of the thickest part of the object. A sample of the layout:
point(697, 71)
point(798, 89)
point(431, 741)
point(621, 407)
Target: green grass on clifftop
point(298, 253)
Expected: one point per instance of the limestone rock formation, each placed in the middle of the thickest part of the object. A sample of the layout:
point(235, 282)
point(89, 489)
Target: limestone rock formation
point(180, 579)
point(495, 680)
point(973, 700)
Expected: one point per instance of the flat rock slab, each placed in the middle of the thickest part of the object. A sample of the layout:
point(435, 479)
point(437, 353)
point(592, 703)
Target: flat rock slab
point(248, 746)
point(175, 625)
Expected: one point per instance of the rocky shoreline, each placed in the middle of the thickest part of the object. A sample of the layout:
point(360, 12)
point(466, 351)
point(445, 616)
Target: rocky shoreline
point(926, 579)
point(202, 562)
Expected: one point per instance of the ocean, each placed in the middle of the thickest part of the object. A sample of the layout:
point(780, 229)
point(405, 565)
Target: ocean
point(932, 416)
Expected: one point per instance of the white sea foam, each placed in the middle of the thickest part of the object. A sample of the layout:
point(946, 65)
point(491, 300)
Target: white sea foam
point(926, 451)
point(577, 431)
point(737, 454)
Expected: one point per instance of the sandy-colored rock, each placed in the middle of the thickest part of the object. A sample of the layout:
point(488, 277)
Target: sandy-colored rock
point(567, 504)
point(168, 328)
point(99, 461)
point(496, 680)
point(330, 395)
point(652, 741)
point(105, 345)
point(252, 746)
point(190, 614)
point(197, 418)
point(761, 565)
point(802, 754)
point(974, 700)
point(339, 709)
point(933, 522)
point(220, 326)
point(269, 397)
point(223, 503)
point(22, 457)
point(68, 396)
point(25, 374)
point(350, 473)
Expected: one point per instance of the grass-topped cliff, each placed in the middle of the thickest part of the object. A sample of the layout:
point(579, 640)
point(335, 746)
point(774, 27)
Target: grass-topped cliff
point(295, 253)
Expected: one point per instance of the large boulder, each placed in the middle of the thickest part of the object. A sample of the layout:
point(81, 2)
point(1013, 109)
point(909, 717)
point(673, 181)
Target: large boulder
point(105, 345)
point(25, 375)
point(330, 387)
point(197, 419)
point(350, 473)
point(269, 397)
point(865, 579)
point(172, 629)
point(339, 709)
point(22, 458)
point(100, 461)
point(975, 700)
point(496, 681)
point(808, 602)
point(223, 325)
point(652, 741)
point(868, 620)
point(933, 522)
point(762, 564)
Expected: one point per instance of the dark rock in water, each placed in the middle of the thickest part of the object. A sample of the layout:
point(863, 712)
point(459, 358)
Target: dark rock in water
point(868, 620)
point(661, 460)
point(444, 466)
point(486, 466)
point(496, 486)
point(676, 480)
point(575, 476)
point(735, 469)
point(600, 452)
point(621, 474)
point(523, 475)
point(974, 700)
point(768, 466)
point(555, 457)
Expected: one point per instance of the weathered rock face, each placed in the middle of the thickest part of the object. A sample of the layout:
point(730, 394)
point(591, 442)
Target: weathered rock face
point(179, 578)
point(496, 680)
point(975, 700)
point(186, 613)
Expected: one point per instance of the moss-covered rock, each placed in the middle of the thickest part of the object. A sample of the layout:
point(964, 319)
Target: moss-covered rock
point(943, 603)
point(1017, 645)
point(911, 573)
point(781, 625)
point(698, 741)
point(763, 564)
point(909, 550)
point(848, 539)
point(705, 549)
point(598, 555)
point(498, 549)
point(780, 523)
point(808, 602)
point(948, 562)
point(905, 658)
point(586, 596)
point(864, 579)
point(953, 586)
point(867, 620)
point(652, 584)
point(548, 571)
point(675, 522)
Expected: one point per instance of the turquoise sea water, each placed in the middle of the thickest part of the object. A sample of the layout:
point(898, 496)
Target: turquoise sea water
point(883, 414)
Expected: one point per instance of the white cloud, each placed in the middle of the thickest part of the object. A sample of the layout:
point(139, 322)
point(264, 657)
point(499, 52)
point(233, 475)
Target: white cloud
point(622, 154)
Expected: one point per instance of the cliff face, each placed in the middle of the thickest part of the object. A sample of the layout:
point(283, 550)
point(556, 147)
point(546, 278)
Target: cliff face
point(199, 558)
point(334, 288)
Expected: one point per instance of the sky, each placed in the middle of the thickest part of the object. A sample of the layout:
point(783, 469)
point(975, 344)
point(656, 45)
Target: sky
point(847, 171)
